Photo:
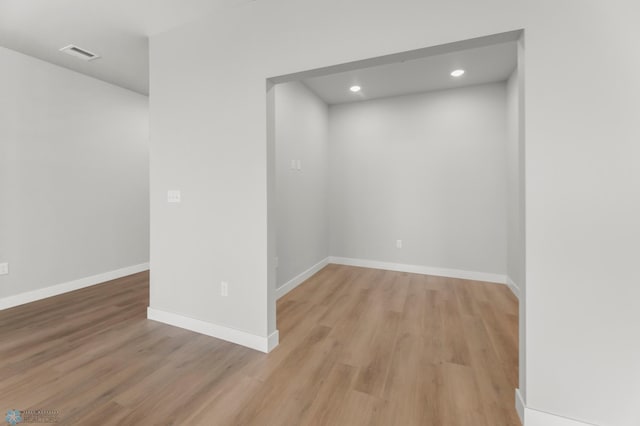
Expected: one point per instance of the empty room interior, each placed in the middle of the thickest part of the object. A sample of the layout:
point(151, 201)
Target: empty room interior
point(284, 212)
point(397, 203)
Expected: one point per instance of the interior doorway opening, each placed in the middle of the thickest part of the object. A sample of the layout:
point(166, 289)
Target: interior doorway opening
point(411, 162)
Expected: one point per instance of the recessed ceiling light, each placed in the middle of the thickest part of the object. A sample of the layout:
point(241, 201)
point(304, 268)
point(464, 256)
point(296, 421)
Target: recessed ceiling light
point(355, 89)
point(457, 73)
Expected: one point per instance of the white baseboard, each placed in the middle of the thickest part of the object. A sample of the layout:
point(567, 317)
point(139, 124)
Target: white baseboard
point(515, 289)
point(520, 406)
point(259, 343)
point(273, 340)
point(530, 417)
point(540, 418)
point(296, 281)
point(54, 290)
point(419, 269)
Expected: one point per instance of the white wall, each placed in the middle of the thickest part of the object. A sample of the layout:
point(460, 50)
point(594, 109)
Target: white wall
point(208, 130)
point(74, 164)
point(301, 127)
point(516, 242)
point(515, 199)
point(428, 169)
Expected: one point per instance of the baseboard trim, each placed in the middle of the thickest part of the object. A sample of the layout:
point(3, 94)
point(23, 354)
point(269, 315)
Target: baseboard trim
point(540, 418)
point(520, 406)
point(55, 290)
point(419, 269)
point(273, 340)
point(530, 417)
point(259, 343)
point(299, 279)
point(515, 289)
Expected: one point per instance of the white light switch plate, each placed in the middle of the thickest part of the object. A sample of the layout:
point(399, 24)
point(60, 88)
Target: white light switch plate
point(173, 196)
point(4, 268)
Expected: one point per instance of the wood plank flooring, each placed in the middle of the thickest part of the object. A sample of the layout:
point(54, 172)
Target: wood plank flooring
point(357, 347)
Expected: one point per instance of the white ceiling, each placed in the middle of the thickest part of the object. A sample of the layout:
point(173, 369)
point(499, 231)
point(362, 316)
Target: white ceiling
point(117, 30)
point(487, 64)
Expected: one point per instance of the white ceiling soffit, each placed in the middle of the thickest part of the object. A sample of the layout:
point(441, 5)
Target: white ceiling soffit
point(115, 30)
point(486, 64)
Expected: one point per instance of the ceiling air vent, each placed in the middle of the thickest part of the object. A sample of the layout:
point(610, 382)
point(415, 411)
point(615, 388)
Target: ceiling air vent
point(79, 53)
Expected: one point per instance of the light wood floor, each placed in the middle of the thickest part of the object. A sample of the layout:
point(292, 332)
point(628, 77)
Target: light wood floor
point(357, 347)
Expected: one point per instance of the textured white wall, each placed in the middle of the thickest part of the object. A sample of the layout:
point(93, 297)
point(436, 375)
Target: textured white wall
point(428, 169)
point(301, 133)
point(208, 121)
point(74, 175)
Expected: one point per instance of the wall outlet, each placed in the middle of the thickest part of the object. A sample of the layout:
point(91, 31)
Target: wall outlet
point(399, 243)
point(224, 288)
point(173, 196)
point(4, 268)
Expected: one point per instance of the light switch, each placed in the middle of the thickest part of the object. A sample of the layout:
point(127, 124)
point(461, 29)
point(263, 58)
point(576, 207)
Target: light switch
point(173, 196)
point(4, 268)
point(298, 164)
